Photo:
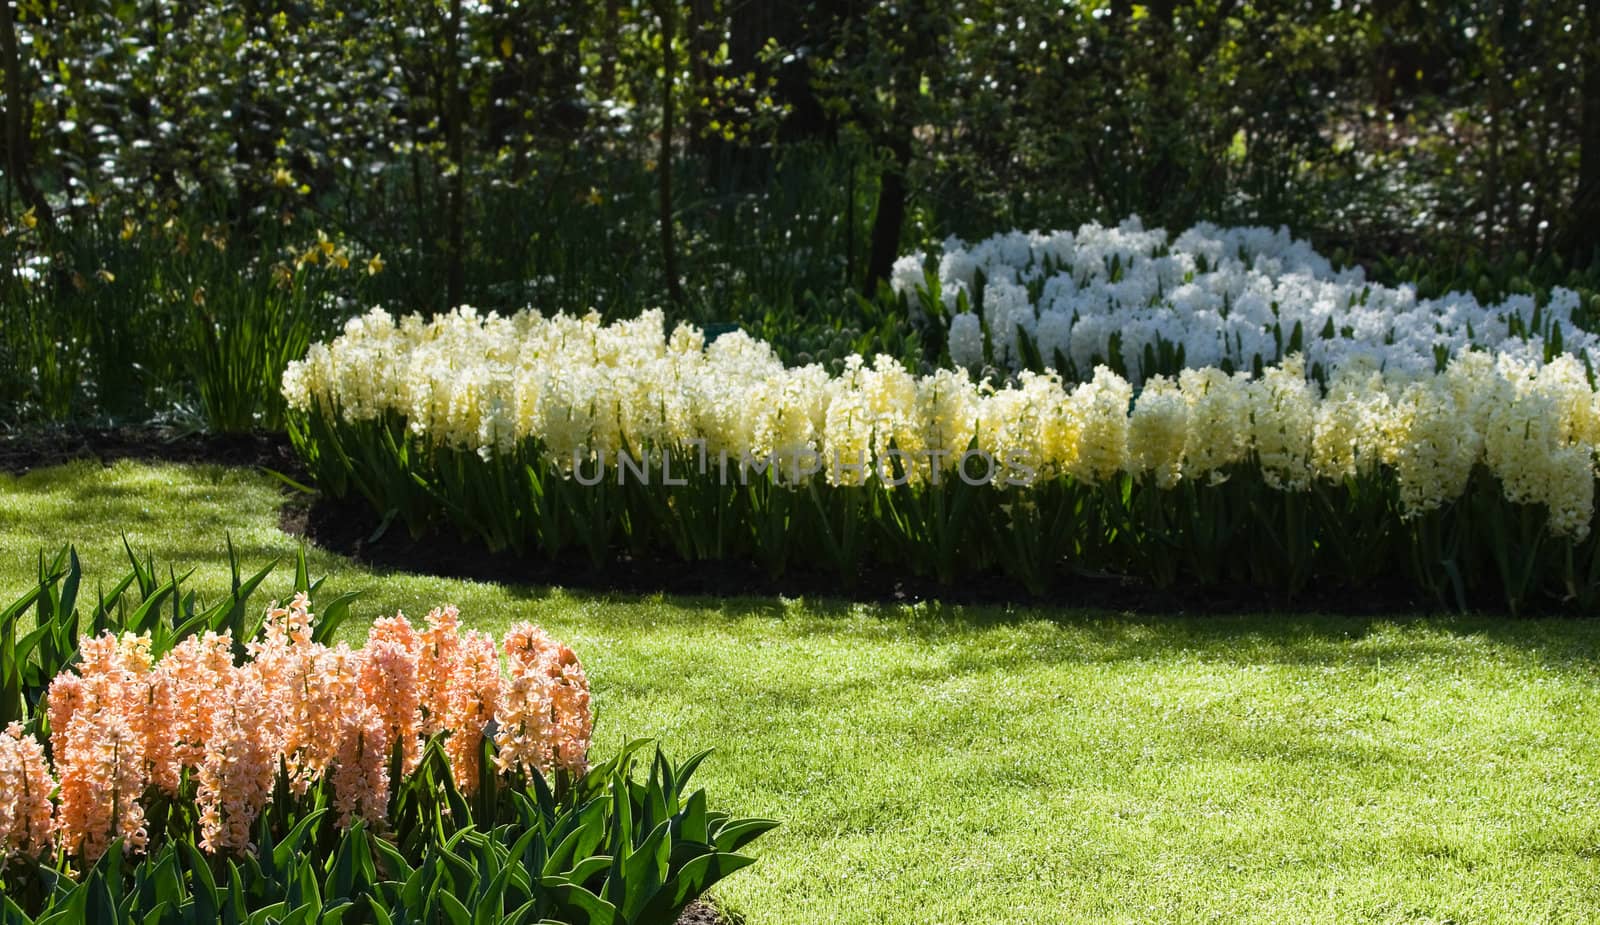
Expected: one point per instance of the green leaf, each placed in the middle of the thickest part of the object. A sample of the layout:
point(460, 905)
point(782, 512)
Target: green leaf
point(10, 680)
point(453, 908)
point(269, 914)
point(68, 602)
point(234, 908)
point(589, 868)
point(291, 483)
point(692, 820)
point(734, 835)
point(101, 906)
point(395, 867)
point(581, 907)
point(207, 905)
point(644, 872)
point(286, 851)
point(144, 574)
point(687, 769)
point(690, 883)
point(331, 616)
point(351, 869)
point(582, 841)
point(149, 610)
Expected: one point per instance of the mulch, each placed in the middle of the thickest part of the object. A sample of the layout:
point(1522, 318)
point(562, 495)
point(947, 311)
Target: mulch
point(24, 451)
point(700, 913)
point(350, 528)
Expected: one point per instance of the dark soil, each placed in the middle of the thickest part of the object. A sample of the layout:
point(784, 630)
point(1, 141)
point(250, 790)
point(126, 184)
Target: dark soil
point(34, 449)
point(351, 528)
point(700, 913)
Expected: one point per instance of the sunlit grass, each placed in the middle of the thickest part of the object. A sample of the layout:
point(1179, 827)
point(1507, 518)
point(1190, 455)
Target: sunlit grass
point(958, 764)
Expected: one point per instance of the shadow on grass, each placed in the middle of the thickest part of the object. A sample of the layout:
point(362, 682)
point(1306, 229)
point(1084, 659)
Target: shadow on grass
point(188, 511)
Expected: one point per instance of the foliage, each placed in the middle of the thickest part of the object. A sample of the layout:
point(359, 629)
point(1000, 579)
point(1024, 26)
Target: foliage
point(620, 851)
point(140, 602)
point(502, 156)
point(121, 317)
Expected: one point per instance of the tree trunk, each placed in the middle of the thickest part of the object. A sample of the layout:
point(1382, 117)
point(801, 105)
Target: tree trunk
point(669, 243)
point(456, 130)
point(608, 49)
point(888, 220)
point(1583, 232)
point(922, 29)
point(700, 48)
point(18, 161)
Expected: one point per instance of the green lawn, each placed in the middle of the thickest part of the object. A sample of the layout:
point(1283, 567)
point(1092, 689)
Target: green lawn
point(983, 765)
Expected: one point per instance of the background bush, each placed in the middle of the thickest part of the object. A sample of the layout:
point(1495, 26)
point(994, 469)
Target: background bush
point(748, 163)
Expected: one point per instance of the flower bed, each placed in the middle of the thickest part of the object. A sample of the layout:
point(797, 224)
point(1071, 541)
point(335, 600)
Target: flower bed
point(553, 434)
point(177, 776)
point(1236, 298)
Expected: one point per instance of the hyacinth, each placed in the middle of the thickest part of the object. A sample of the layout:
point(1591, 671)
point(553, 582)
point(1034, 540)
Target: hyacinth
point(157, 717)
point(1283, 426)
point(360, 775)
point(308, 686)
point(966, 341)
point(544, 719)
point(197, 670)
point(1218, 421)
point(1219, 294)
point(237, 772)
point(388, 685)
point(102, 782)
point(1349, 438)
point(1099, 412)
point(437, 655)
point(1157, 432)
point(471, 694)
point(126, 727)
point(577, 391)
point(108, 742)
point(27, 817)
point(63, 702)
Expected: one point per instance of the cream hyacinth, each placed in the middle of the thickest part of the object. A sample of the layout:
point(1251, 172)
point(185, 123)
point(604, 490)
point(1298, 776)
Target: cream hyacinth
point(574, 390)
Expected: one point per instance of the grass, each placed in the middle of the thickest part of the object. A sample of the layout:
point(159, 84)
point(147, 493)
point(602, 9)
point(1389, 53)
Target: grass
point(984, 765)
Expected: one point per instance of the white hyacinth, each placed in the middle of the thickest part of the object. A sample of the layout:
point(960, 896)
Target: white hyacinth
point(1225, 295)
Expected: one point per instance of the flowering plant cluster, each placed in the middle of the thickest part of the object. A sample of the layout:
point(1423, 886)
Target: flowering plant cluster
point(128, 731)
point(182, 775)
point(1238, 298)
point(552, 432)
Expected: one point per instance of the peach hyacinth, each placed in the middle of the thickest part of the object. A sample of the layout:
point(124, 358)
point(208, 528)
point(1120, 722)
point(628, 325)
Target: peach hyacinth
point(544, 716)
point(126, 727)
point(27, 821)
